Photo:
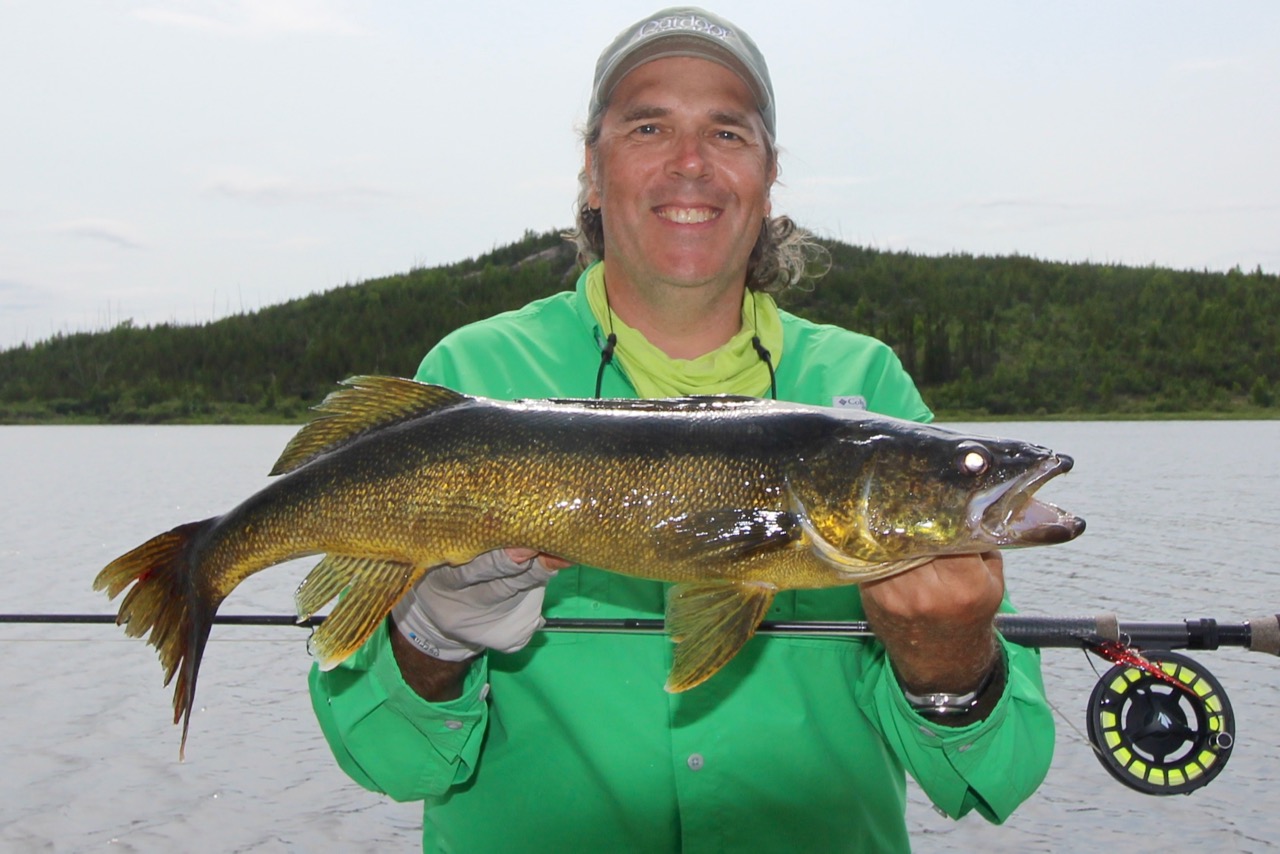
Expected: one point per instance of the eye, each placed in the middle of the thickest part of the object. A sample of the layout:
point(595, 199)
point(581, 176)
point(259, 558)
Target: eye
point(973, 459)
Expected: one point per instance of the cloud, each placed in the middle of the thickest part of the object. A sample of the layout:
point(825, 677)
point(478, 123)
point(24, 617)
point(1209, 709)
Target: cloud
point(1135, 209)
point(277, 192)
point(838, 182)
point(252, 18)
point(1028, 204)
point(111, 231)
point(17, 297)
point(1206, 65)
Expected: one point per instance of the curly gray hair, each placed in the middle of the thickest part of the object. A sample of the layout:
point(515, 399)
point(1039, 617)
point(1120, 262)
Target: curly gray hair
point(784, 254)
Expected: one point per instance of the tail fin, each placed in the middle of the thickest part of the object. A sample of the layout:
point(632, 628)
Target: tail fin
point(167, 600)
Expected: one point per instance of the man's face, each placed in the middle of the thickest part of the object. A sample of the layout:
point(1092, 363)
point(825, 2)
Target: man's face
point(681, 174)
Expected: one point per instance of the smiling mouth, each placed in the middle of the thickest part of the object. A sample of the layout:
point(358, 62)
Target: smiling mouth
point(687, 216)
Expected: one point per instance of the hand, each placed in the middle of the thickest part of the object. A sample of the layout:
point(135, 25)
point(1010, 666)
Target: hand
point(549, 562)
point(937, 621)
point(494, 602)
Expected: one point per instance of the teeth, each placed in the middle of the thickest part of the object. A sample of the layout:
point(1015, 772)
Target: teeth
point(688, 215)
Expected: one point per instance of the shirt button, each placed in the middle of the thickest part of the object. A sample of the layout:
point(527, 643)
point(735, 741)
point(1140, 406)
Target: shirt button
point(696, 762)
point(454, 725)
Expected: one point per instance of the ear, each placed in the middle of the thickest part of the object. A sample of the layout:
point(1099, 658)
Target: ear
point(770, 179)
point(593, 189)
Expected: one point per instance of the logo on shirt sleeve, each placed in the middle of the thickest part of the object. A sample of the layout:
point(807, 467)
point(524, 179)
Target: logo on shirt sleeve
point(849, 401)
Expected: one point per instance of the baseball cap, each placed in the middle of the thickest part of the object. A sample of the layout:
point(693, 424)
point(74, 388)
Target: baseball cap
point(684, 31)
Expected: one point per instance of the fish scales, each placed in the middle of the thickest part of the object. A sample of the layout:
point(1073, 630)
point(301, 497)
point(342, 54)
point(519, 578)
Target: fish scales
point(732, 499)
point(588, 487)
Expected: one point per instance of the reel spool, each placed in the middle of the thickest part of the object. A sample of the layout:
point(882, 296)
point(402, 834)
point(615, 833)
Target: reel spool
point(1165, 733)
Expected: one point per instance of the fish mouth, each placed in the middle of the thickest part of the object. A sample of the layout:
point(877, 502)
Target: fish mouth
point(1009, 514)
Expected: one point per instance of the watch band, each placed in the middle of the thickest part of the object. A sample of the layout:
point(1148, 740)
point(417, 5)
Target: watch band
point(942, 704)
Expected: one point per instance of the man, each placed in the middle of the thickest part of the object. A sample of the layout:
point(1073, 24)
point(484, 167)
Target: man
point(518, 741)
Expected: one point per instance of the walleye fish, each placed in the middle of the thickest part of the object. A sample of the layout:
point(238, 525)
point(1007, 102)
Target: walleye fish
point(731, 498)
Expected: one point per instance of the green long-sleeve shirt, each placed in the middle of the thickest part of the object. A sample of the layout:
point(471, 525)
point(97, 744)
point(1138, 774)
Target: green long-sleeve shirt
point(798, 744)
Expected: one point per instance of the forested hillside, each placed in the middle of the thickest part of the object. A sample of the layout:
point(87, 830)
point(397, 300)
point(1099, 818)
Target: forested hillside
point(1000, 336)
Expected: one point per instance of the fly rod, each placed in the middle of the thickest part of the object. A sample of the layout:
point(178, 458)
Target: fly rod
point(1259, 635)
point(1158, 721)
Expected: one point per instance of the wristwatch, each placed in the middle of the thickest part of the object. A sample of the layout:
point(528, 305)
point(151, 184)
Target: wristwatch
point(944, 705)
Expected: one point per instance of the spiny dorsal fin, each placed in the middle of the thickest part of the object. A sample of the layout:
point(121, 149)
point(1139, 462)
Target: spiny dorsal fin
point(366, 404)
point(710, 621)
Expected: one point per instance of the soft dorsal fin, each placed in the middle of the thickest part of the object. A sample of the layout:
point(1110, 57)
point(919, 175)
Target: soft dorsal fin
point(367, 403)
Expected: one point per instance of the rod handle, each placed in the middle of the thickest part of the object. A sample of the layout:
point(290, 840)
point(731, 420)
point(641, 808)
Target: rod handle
point(1057, 631)
point(1264, 634)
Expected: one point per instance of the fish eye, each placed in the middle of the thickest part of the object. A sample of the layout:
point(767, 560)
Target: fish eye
point(973, 459)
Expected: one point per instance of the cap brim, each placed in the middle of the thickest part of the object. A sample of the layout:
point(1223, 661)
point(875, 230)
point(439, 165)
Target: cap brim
point(680, 44)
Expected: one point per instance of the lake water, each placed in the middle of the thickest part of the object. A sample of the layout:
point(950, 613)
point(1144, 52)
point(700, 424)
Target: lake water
point(1182, 523)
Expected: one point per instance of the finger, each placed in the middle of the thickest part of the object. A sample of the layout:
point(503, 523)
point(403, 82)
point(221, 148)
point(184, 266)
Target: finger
point(994, 561)
point(551, 562)
point(482, 570)
point(951, 584)
point(536, 576)
point(444, 578)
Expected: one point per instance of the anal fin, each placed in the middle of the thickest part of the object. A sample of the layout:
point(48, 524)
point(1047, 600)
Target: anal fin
point(373, 586)
point(710, 621)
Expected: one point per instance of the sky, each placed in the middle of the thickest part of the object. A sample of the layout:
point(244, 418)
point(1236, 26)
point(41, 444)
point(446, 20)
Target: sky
point(183, 160)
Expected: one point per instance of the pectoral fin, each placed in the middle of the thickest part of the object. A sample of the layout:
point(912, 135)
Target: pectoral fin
point(373, 586)
point(710, 621)
point(729, 534)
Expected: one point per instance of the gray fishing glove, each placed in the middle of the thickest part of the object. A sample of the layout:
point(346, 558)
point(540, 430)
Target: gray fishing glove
point(457, 612)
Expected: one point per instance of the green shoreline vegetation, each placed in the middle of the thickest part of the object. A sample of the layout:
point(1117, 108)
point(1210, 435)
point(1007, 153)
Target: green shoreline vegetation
point(987, 338)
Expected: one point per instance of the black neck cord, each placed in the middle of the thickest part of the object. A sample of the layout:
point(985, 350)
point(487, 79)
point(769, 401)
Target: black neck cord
point(606, 356)
point(611, 343)
point(761, 350)
point(767, 358)
point(606, 353)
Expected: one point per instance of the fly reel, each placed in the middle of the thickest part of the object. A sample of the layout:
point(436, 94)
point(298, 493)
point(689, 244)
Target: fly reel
point(1159, 723)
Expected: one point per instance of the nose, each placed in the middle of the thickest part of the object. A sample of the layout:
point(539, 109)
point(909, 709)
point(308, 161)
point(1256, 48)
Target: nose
point(688, 157)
